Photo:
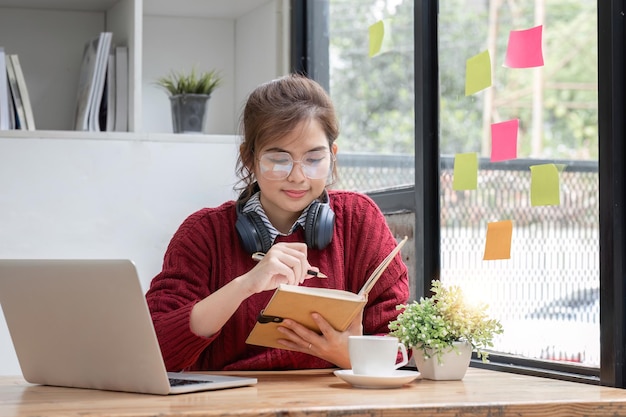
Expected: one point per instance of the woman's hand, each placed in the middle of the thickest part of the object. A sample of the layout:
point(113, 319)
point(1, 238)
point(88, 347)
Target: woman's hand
point(331, 345)
point(284, 263)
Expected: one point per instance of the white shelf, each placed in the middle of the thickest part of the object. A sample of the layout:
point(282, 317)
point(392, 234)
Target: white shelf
point(214, 9)
point(246, 40)
point(76, 5)
point(121, 136)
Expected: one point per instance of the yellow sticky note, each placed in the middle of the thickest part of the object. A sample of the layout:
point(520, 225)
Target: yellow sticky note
point(544, 185)
point(377, 34)
point(498, 243)
point(465, 171)
point(477, 73)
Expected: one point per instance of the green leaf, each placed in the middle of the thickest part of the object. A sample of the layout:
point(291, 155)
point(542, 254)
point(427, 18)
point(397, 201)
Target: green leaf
point(176, 83)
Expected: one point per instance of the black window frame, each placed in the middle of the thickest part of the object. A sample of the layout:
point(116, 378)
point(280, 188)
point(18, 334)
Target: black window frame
point(611, 114)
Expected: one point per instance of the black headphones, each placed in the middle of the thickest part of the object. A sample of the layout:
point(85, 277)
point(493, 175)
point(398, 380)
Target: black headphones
point(318, 229)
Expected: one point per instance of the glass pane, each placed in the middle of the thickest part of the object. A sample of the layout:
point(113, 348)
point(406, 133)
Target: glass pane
point(374, 95)
point(545, 290)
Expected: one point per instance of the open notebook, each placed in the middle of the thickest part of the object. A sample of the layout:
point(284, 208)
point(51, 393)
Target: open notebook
point(296, 302)
point(86, 324)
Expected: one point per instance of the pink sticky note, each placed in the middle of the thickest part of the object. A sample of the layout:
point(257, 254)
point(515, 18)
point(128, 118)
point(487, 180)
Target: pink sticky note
point(504, 140)
point(524, 49)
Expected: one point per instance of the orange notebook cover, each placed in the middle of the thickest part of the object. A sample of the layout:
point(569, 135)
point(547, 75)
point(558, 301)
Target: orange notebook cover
point(297, 303)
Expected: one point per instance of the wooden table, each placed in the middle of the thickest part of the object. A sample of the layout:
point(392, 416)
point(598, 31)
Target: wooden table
point(320, 393)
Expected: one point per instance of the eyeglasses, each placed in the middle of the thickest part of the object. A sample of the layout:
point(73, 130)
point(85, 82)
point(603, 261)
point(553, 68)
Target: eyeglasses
point(278, 165)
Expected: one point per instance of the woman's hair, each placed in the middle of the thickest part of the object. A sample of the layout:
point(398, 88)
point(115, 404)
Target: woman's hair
point(274, 110)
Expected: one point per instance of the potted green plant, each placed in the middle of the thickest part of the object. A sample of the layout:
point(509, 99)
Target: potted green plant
point(189, 95)
point(443, 330)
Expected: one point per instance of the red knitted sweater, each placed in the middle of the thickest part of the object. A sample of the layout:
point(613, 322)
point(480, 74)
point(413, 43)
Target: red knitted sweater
point(206, 253)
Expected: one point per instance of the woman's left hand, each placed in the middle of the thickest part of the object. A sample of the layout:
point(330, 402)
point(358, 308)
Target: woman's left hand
point(331, 345)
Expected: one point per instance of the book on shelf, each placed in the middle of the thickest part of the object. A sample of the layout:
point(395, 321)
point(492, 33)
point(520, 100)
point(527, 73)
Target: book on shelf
point(91, 82)
point(104, 46)
point(12, 113)
point(23, 90)
point(19, 116)
point(85, 84)
point(5, 97)
point(121, 88)
point(295, 302)
point(107, 105)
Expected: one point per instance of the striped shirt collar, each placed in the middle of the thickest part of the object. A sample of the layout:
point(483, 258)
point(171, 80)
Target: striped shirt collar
point(254, 205)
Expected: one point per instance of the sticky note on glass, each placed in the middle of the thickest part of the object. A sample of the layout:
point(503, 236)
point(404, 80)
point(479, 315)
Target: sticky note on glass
point(377, 36)
point(504, 140)
point(498, 243)
point(477, 73)
point(465, 171)
point(544, 185)
point(524, 49)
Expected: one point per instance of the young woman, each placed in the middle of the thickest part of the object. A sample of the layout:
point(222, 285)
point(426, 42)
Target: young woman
point(206, 300)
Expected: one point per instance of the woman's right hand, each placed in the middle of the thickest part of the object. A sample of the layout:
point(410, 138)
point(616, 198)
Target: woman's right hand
point(284, 263)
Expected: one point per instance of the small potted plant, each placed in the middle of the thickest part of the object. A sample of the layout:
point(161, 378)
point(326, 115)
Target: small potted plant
point(189, 95)
point(443, 330)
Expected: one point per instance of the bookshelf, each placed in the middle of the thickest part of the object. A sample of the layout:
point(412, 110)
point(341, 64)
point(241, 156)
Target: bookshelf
point(246, 40)
point(122, 194)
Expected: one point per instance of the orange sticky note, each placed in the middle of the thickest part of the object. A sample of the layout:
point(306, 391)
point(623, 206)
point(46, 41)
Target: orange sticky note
point(377, 34)
point(477, 73)
point(504, 140)
point(544, 185)
point(524, 49)
point(465, 171)
point(498, 242)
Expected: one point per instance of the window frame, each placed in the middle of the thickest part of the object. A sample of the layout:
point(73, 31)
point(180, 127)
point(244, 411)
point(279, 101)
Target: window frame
point(611, 110)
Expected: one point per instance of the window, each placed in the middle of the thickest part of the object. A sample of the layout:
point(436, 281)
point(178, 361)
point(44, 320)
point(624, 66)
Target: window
point(546, 290)
point(373, 94)
point(565, 266)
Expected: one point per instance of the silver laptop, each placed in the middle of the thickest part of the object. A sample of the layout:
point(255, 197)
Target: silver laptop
point(86, 324)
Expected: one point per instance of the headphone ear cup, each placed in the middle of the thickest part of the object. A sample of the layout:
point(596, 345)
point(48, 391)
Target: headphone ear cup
point(263, 236)
point(252, 233)
point(319, 226)
point(247, 234)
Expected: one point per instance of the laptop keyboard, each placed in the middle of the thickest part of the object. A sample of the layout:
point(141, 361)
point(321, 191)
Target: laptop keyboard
point(176, 382)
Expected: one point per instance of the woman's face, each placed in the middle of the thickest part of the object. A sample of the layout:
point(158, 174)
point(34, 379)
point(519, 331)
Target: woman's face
point(283, 199)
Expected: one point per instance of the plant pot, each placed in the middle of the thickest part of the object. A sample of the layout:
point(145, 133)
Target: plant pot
point(189, 112)
point(453, 364)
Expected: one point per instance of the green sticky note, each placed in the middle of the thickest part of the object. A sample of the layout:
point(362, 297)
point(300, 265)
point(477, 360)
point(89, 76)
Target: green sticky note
point(377, 34)
point(477, 73)
point(544, 185)
point(465, 171)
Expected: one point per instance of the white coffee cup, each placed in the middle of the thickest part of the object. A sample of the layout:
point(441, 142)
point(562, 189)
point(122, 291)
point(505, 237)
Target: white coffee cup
point(375, 355)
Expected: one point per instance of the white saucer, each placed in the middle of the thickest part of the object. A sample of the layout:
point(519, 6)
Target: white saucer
point(395, 380)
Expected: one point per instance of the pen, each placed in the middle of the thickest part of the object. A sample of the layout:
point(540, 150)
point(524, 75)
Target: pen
point(257, 256)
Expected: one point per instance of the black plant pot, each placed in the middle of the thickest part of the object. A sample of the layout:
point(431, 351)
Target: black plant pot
point(189, 112)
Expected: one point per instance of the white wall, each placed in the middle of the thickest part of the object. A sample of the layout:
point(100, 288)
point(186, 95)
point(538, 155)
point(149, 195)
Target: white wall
point(262, 52)
point(105, 198)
